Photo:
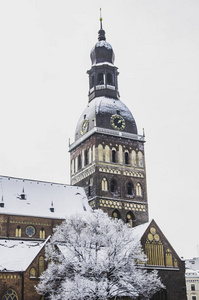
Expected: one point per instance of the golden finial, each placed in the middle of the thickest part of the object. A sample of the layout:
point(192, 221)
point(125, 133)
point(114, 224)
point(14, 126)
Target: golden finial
point(101, 18)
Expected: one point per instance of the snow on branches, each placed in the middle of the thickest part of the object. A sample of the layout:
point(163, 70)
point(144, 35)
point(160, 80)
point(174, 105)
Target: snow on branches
point(94, 257)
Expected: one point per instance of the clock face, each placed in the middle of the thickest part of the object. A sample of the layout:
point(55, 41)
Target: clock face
point(30, 231)
point(84, 127)
point(117, 122)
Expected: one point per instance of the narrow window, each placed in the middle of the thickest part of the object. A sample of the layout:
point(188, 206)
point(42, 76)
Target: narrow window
point(79, 162)
point(90, 184)
point(92, 82)
point(113, 186)
point(100, 79)
point(104, 184)
point(41, 265)
point(100, 152)
point(107, 153)
point(126, 157)
point(193, 287)
point(113, 156)
point(138, 189)
point(130, 189)
point(140, 159)
point(129, 219)
point(109, 79)
point(18, 231)
point(42, 234)
point(86, 157)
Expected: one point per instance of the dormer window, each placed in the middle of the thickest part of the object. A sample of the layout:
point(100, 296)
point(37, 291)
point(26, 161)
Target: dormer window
point(100, 79)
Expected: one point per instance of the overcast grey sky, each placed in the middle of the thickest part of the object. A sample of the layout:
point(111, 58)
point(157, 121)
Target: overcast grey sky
point(44, 56)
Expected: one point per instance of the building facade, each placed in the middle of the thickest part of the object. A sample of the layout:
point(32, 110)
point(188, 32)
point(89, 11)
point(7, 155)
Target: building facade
point(107, 172)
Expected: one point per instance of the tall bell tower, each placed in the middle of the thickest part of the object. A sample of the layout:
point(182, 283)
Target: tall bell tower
point(107, 156)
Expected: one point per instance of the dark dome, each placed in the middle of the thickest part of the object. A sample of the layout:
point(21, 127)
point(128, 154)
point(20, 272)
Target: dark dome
point(102, 52)
point(99, 112)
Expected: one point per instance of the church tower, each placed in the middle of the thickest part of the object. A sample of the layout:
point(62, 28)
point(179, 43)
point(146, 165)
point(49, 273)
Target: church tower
point(107, 156)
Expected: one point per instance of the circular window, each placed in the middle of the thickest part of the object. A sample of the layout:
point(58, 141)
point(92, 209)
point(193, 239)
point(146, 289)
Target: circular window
point(30, 231)
point(153, 230)
point(10, 295)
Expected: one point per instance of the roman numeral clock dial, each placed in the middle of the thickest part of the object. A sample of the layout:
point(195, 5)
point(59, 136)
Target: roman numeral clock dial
point(117, 122)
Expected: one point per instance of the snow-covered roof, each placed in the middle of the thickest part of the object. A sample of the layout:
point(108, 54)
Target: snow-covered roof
point(35, 198)
point(139, 230)
point(17, 255)
point(191, 273)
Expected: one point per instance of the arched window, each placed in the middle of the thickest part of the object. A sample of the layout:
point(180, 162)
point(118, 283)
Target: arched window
point(42, 233)
point(107, 153)
point(169, 258)
point(86, 157)
point(100, 152)
point(140, 159)
point(104, 184)
point(113, 186)
point(116, 214)
point(32, 273)
point(41, 265)
point(126, 158)
point(109, 79)
point(138, 189)
point(133, 155)
point(100, 79)
point(18, 231)
point(130, 218)
point(114, 156)
point(79, 162)
point(10, 295)
point(130, 188)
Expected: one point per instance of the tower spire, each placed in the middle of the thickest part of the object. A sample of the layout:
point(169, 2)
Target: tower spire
point(101, 32)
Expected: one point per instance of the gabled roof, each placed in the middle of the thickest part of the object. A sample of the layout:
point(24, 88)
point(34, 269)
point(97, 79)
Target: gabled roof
point(35, 198)
point(17, 255)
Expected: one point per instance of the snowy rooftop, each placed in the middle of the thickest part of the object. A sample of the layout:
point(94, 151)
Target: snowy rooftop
point(35, 198)
point(191, 273)
point(17, 255)
point(139, 230)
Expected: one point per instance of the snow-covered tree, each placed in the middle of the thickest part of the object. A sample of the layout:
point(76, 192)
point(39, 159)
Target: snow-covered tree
point(94, 257)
